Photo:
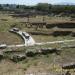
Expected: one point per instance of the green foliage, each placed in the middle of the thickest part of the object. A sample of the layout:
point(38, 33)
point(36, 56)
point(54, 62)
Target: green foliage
point(43, 7)
point(40, 7)
point(1, 7)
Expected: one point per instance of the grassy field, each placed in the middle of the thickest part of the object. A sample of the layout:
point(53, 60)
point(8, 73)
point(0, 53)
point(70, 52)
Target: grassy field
point(49, 63)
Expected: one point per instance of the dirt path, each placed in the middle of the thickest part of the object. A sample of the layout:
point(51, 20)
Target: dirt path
point(43, 43)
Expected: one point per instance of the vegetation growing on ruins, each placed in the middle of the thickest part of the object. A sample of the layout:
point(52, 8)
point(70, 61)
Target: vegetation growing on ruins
point(44, 22)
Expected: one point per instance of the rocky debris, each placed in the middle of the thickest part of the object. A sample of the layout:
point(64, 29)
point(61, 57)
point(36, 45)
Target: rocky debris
point(15, 56)
point(69, 66)
point(3, 46)
point(73, 34)
point(18, 57)
point(43, 51)
point(30, 54)
point(38, 24)
point(61, 25)
point(14, 30)
point(49, 50)
point(61, 33)
point(21, 55)
point(1, 55)
point(68, 73)
point(69, 46)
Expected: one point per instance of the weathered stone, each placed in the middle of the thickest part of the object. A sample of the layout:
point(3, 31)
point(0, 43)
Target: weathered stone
point(18, 57)
point(61, 33)
point(69, 66)
point(30, 54)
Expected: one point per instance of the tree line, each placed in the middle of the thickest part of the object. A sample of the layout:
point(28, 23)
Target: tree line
point(43, 7)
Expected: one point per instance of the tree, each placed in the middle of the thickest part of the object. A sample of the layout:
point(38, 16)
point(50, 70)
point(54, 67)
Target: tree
point(42, 7)
point(1, 6)
point(17, 6)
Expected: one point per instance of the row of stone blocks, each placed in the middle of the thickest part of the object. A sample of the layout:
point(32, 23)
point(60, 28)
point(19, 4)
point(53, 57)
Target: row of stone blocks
point(21, 55)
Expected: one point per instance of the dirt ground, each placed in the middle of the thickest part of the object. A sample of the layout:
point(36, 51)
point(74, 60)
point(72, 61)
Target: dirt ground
point(42, 65)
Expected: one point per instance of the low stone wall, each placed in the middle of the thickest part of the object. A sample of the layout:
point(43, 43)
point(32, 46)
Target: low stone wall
point(61, 25)
point(69, 66)
point(40, 33)
point(61, 33)
point(17, 56)
point(73, 34)
point(54, 33)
